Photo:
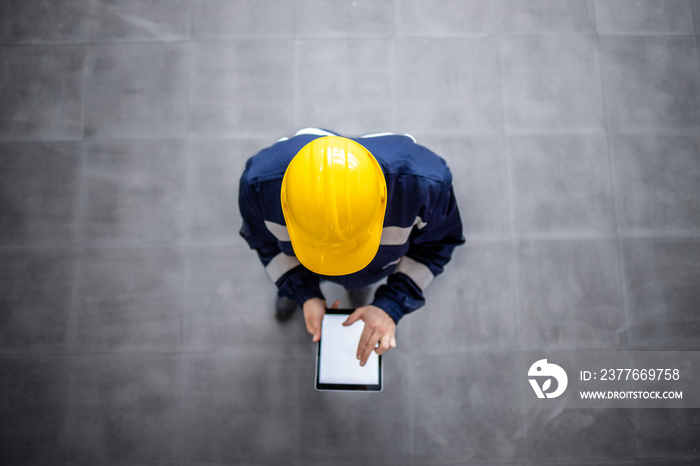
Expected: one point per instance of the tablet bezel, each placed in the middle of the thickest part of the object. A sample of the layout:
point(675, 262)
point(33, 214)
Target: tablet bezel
point(336, 387)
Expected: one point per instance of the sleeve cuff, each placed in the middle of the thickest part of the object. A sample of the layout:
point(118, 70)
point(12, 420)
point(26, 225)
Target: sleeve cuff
point(390, 307)
point(299, 285)
point(304, 294)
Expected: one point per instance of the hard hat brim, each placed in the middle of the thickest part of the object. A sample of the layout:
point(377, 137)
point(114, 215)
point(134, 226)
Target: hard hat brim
point(324, 262)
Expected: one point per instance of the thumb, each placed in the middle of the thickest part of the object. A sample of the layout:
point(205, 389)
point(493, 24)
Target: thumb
point(316, 329)
point(354, 317)
point(336, 304)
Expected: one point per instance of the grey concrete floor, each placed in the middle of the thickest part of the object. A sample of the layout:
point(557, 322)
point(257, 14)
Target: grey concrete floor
point(136, 326)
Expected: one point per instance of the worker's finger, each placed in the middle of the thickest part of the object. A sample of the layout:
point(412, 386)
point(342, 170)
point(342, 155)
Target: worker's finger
point(385, 344)
point(309, 323)
point(336, 304)
point(392, 343)
point(371, 344)
point(318, 321)
point(364, 341)
point(313, 324)
point(354, 316)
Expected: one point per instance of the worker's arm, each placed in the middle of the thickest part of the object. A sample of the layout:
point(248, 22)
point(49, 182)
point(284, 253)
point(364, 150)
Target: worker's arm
point(293, 280)
point(430, 250)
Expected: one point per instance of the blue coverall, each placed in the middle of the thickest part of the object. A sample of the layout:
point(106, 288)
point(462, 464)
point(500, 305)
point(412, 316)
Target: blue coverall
point(422, 225)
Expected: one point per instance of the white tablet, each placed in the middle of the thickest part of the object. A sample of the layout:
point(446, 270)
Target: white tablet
point(337, 366)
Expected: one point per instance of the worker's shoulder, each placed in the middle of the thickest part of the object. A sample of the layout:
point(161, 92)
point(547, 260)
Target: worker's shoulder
point(271, 162)
point(402, 155)
point(397, 154)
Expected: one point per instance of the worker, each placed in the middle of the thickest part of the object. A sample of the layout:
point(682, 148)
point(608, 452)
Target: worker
point(319, 206)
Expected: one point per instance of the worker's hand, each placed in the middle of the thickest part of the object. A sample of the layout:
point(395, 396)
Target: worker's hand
point(314, 310)
point(379, 328)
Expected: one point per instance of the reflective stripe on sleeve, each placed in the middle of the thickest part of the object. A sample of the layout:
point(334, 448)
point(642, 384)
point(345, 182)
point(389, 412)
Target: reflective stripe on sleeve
point(419, 273)
point(396, 236)
point(278, 231)
point(391, 236)
point(279, 265)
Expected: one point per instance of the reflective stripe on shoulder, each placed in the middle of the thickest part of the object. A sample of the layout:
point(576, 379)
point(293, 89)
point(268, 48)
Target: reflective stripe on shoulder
point(279, 265)
point(376, 135)
point(314, 131)
point(419, 273)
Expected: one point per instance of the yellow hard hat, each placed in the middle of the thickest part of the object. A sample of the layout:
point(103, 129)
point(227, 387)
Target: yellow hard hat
point(333, 200)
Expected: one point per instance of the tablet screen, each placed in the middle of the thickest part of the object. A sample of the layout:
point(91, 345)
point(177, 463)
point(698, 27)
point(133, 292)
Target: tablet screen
point(338, 366)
